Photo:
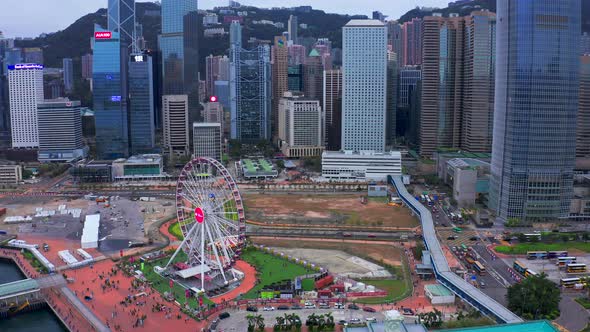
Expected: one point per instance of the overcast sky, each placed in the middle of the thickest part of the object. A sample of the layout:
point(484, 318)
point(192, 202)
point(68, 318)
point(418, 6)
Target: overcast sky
point(29, 18)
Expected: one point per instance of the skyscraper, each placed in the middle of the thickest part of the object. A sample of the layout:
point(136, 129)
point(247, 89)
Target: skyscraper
point(207, 141)
point(442, 81)
point(392, 87)
point(585, 44)
point(313, 76)
point(408, 113)
point(60, 131)
point(179, 48)
point(141, 104)
point(395, 35)
point(537, 88)
point(412, 42)
point(296, 55)
point(68, 74)
point(293, 27)
point(25, 90)
point(87, 66)
point(121, 19)
point(365, 85)
point(479, 74)
point(280, 78)
point(250, 90)
point(332, 109)
point(216, 69)
point(109, 76)
point(175, 125)
point(32, 55)
point(583, 131)
point(300, 126)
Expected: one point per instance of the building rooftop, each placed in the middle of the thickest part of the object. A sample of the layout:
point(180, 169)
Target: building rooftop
point(467, 163)
point(438, 290)
point(464, 154)
point(140, 159)
point(16, 287)
point(355, 154)
point(206, 124)
point(364, 23)
point(535, 326)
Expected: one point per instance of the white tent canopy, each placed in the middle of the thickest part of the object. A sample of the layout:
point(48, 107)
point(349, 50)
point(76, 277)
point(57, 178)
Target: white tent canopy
point(90, 231)
point(193, 271)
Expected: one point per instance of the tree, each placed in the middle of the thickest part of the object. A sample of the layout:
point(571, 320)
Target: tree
point(259, 320)
point(431, 319)
point(536, 297)
point(251, 322)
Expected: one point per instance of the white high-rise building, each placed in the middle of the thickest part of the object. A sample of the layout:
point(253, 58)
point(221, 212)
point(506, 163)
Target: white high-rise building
point(25, 90)
point(300, 126)
point(364, 66)
point(207, 140)
point(176, 119)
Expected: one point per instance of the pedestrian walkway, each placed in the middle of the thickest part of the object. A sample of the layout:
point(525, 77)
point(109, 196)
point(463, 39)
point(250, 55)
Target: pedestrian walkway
point(98, 325)
point(246, 284)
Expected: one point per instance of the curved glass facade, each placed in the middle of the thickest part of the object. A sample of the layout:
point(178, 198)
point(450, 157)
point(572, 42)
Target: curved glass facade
point(536, 103)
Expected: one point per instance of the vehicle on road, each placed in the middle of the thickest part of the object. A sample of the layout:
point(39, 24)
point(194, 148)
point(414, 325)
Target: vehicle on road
point(268, 309)
point(341, 322)
point(354, 320)
point(473, 238)
point(369, 309)
point(309, 305)
point(324, 306)
point(482, 285)
point(346, 234)
point(452, 237)
point(224, 315)
point(339, 305)
point(371, 319)
point(283, 307)
point(371, 235)
point(353, 307)
point(296, 307)
point(408, 312)
point(251, 308)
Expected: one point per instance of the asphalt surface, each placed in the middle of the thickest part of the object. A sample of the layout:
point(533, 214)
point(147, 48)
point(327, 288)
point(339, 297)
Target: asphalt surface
point(238, 322)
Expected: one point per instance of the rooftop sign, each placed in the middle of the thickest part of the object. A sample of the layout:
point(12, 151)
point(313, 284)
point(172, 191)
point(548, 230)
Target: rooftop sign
point(25, 66)
point(103, 35)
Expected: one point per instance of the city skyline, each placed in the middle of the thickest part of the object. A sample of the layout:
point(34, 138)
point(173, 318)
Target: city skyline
point(26, 18)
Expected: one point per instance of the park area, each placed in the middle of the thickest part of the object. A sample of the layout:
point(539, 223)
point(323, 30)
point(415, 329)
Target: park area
point(522, 248)
point(272, 269)
point(324, 210)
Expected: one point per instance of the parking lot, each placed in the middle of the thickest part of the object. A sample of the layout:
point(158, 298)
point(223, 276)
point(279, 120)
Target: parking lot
point(549, 267)
point(238, 322)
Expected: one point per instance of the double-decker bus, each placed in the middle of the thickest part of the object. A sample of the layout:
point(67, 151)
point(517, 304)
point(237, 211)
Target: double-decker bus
point(458, 230)
point(563, 261)
point(575, 268)
point(530, 273)
point(479, 268)
point(536, 255)
point(464, 247)
point(569, 282)
point(519, 267)
point(556, 254)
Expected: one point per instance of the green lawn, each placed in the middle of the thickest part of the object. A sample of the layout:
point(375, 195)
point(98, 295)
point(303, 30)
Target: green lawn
point(308, 284)
point(522, 248)
point(271, 269)
point(174, 229)
point(584, 302)
point(396, 290)
point(162, 285)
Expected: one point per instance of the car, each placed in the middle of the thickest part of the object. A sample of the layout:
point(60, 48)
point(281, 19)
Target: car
point(268, 309)
point(251, 308)
point(371, 319)
point(482, 284)
point(309, 305)
point(353, 307)
point(341, 322)
point(452, 237)
point(224, 315)
point(473, 238)
point(346, 234)
point(354, 321)
point(408, 311)
point(283, 307)
point(369, 309)
point(371, 235)
point(296, 307)
point(324, 305)
point(338, 305)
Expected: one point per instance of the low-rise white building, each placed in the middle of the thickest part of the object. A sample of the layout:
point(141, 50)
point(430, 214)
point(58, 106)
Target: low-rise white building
point(139, 167)
point(361, 166)
point(11, 174)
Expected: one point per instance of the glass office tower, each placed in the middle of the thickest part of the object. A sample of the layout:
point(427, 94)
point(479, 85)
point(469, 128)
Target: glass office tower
point(141, 104)
point(109, 74)
point(537, 84)
point(179, 50)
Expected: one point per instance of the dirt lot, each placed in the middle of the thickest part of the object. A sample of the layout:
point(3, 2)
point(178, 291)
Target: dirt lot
point(387, 254)
point(325, 210)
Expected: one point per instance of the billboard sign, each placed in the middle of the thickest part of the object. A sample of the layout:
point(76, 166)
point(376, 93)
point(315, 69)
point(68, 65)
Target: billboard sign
point(103, 35)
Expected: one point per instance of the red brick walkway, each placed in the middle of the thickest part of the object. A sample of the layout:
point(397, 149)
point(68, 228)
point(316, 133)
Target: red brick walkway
point(247, 284)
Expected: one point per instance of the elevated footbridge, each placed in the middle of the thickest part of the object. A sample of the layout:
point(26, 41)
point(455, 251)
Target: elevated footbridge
point(444, 275)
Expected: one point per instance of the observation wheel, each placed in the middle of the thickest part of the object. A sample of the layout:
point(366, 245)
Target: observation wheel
point(211, 217)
